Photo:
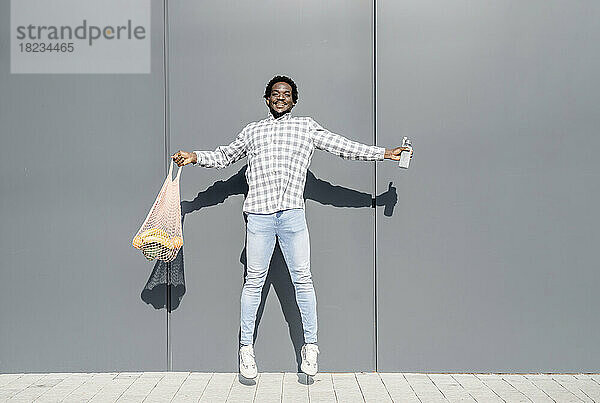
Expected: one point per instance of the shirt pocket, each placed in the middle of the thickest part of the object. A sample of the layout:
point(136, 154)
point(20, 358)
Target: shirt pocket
point(260, 144)
point(300, 153)
point(262, 151)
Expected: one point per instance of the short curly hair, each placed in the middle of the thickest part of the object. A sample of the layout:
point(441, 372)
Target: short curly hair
point(282, 79)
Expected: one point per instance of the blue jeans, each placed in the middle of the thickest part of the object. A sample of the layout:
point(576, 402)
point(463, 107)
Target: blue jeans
point(289, 226)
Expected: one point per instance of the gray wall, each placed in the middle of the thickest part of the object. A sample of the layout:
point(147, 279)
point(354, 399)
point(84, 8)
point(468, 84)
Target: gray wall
point(81, 161)
point(490, 260)
point(486, 264)
point(218, 76)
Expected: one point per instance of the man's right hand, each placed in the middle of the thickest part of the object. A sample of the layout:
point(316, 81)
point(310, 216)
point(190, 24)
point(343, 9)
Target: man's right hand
point(182, 158)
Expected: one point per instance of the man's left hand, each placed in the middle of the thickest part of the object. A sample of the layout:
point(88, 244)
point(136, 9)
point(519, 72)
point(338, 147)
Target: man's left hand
point(394, 153)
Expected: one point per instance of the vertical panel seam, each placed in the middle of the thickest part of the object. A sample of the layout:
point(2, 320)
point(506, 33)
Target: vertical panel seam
point(167, 141)
point(375, 307)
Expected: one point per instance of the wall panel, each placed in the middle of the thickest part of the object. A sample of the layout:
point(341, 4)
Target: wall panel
point(489, 260)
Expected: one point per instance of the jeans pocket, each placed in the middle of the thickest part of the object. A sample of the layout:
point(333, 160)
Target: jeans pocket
point(254, 224)
point(297, 220)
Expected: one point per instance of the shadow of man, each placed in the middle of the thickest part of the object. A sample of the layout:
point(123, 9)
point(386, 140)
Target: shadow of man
point(278, 276)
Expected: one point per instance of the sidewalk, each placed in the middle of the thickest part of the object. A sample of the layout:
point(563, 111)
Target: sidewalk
point(290, 387)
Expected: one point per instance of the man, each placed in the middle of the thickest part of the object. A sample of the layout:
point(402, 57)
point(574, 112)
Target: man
point(279, 150)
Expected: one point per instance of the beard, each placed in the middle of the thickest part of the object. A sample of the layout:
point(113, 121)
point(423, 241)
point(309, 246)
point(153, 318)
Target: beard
point(277, 114)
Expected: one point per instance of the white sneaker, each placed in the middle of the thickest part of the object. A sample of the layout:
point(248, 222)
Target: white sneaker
point(309, 359)
point(247, 364)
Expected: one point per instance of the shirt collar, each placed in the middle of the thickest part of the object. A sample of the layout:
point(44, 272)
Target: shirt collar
point(270, 117)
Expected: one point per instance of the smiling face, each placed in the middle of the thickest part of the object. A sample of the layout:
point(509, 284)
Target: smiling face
point(280, 100)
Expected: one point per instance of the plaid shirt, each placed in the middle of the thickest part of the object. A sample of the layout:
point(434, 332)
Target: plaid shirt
point(279, 152)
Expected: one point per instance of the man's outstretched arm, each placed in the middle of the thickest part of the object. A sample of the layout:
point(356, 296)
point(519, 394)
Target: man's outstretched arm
point(221, 157)
point(339, 145)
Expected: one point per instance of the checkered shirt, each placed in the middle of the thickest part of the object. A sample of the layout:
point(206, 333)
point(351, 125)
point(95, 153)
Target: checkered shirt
point(279, 152)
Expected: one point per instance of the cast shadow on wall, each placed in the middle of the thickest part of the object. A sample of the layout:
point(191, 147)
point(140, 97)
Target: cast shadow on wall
point(278, 276)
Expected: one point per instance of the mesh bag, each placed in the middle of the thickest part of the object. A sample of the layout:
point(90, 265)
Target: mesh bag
point(160, 236)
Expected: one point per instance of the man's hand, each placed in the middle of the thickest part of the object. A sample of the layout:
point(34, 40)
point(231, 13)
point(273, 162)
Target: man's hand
point(394, 153)
point(182, 158)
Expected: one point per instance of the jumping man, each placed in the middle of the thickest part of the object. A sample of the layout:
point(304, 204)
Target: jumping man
point(279, 150)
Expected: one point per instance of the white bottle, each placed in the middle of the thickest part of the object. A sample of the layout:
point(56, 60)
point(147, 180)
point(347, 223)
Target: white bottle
point(405, 155)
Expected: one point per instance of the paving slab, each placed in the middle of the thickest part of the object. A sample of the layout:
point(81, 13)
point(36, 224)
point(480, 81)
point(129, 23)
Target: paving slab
point(188, 387)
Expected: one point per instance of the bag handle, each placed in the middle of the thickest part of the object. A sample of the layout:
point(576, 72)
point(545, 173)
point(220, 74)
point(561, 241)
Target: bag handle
point(171, 172)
